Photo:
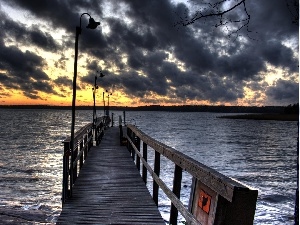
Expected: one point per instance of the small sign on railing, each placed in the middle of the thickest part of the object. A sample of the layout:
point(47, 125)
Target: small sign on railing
point(211, 208)
point(204, 201)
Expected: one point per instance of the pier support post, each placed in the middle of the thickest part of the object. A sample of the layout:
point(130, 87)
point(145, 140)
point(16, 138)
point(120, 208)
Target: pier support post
point(145, 158)
point(66, 163)
point(124, 118)
point(157, 171)
point(176, 191)
point(138, 146)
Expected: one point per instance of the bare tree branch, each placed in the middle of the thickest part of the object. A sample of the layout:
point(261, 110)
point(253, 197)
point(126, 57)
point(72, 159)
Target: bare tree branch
point(233, 18)
point(218, 11)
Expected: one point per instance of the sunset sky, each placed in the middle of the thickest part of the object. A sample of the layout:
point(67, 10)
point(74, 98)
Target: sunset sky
point(145, 58)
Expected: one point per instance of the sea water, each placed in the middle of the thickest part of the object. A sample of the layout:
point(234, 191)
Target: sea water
point(261, 154)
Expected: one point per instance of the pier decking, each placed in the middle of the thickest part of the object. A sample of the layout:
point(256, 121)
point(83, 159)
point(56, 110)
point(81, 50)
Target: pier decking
point(109, 189)
point(106, 183)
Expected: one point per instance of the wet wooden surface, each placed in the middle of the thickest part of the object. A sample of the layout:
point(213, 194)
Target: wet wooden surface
point(109, 189)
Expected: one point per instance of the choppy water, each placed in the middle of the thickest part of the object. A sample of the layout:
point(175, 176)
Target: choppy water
point(262, 154)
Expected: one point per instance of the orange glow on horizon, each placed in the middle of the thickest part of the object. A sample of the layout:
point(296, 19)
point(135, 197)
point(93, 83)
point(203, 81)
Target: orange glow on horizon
point(85, 98)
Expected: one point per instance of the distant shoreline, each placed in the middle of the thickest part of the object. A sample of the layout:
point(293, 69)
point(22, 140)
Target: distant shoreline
point(180, 108)
point(264, 116)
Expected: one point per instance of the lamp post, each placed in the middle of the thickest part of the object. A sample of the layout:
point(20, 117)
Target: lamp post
point(94, 98)
point(108, 94)
point(103, 103)
point(92, 25)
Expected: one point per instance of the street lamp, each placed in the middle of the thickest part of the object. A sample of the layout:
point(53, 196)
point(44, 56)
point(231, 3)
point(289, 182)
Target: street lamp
point(94, 98)
point(92, 25)
point(107, 111)
point(103, 103)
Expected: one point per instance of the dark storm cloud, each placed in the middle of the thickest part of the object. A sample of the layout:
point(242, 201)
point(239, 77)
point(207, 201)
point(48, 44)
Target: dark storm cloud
point(63, 14)
point(61, 63)
point(32, 95)
point(63, 81)
point(23, 72)
point(23, 65)
point(216, 68)
point(136, 85)
point(32, 36)
point(42, 40)
point(279, 55)
point(284, 91)
point(66, 15)
point(24, 69)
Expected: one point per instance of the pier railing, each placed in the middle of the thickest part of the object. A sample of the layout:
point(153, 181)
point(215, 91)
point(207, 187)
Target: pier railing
point(83, 141)
point(214, 198)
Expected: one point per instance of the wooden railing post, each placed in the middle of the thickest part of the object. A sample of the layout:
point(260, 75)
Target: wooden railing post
point(176, 191)
point(85, 149)
point(95, 129)
point(128, 143)
point(65, 183)
point(131, 148)
point(138, 146)
point(90, 138)
point(75, 168)
point(156, 171)
point(145, 158)
point(124, 118)
point(121, 134)
point(101, 132)
point(81, 157)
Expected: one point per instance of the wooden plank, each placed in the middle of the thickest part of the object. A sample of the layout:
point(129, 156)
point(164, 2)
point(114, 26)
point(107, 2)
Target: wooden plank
point(109, 189)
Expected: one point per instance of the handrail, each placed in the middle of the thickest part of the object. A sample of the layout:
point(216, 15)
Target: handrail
point(83, 141)
point(175, 200)
point(224, 186)
point(215, 180)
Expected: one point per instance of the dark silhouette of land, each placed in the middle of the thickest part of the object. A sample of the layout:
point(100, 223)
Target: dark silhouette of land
point(264, 116)
point(291, 109)
point(287, 113)
point(183, 108)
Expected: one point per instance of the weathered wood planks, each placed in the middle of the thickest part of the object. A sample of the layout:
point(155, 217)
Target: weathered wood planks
point(109, 189)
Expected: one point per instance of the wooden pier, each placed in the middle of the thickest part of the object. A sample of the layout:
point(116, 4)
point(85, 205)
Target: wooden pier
point(105, 175)
point(109, 189)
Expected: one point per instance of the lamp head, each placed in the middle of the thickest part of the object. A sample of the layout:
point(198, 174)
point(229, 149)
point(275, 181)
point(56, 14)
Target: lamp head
point(101, 75)
point(92, 24)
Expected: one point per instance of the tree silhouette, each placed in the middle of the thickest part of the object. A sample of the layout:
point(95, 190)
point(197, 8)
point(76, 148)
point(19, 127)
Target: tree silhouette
point(232, 15)
point(229, 14)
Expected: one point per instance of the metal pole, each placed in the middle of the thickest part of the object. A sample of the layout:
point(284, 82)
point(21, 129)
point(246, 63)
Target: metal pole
point(92, 25)
point(108, 106)
point(103, 104)
point(94, 98)
point(78, 32)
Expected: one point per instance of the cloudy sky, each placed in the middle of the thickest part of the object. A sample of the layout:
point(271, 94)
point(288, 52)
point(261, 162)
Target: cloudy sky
point(147, 56)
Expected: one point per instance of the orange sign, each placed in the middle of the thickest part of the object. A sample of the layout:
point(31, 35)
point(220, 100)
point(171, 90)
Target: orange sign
point(204, 201)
